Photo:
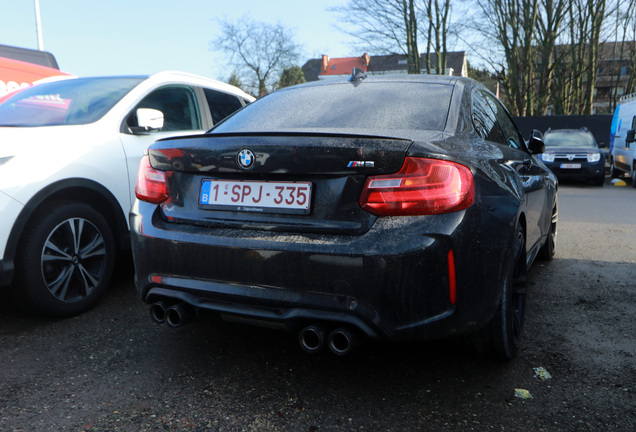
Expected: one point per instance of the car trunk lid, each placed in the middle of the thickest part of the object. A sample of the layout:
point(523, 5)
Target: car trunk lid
point(313, 180)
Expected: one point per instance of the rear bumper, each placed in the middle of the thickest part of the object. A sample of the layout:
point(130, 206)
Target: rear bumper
point(387, 289)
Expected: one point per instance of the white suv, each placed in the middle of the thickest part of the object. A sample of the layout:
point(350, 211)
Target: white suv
point(69, 155)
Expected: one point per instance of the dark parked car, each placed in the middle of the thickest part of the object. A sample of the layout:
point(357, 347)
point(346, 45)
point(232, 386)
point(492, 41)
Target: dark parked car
point(574, 155)
point(382, 208)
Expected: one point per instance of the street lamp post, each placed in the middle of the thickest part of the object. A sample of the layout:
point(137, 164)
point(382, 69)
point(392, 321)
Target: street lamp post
point(38, 25)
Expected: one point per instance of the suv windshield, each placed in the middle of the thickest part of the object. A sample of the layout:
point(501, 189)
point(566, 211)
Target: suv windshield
point(66, 102)
point(569, 139)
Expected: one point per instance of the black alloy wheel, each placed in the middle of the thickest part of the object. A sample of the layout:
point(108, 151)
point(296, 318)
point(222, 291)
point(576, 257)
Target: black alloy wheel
point(65, 261)
point(519, 289)
point(501, 338)
point(548, 250)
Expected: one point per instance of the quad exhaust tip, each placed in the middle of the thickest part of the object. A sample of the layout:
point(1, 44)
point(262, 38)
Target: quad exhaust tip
point(311, 339)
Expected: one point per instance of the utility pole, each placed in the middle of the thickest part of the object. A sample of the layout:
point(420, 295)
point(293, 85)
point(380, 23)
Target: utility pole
point(38, 25)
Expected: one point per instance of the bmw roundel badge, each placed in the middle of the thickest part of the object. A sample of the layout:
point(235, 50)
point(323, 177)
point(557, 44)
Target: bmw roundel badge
point(246, 159)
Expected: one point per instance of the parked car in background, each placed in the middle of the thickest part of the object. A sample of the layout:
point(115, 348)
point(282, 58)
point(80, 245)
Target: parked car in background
point(574, 155)
point(69, 154)
point(350, 209)
point(622, 139)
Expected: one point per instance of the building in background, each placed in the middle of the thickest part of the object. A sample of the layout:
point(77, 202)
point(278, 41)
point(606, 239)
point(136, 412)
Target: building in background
point(325, 67)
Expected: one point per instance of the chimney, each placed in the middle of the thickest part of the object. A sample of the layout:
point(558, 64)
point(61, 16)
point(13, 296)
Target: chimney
point(325, 62)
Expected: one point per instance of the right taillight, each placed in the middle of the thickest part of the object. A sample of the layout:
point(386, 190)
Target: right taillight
point(152, 185)
point(422, 187)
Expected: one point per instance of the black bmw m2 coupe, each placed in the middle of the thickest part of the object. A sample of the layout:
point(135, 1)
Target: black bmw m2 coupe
point(377, 208)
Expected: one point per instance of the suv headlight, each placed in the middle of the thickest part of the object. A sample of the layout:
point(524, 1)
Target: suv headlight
point(547, 157)
point(593, 157)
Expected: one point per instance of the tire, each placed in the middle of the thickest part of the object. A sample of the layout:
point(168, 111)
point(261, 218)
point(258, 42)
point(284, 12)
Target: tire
point(633, 179)
point(548, 250)
point(501, 337)
point(65, 260)
point(614, 173)
point(600, 180)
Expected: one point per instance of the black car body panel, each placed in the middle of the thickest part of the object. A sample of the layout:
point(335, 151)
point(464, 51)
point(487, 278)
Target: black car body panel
point(390, 277)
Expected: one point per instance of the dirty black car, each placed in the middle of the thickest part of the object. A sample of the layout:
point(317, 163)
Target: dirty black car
point(372, 208)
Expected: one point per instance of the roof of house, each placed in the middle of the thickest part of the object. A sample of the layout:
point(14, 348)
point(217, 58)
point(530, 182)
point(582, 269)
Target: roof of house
point(344, 65)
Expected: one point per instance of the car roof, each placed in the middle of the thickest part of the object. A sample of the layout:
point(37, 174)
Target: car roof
point(168, 76)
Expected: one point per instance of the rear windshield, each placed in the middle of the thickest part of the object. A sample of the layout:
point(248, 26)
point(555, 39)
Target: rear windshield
point(65, 102)
point(367, 107)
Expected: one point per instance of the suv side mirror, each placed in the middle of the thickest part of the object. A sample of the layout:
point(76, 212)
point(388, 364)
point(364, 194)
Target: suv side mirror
point(148, 120)
point(630, 136)
point(536, 144)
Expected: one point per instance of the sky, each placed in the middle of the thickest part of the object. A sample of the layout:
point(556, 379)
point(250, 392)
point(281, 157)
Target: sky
point(121, 37)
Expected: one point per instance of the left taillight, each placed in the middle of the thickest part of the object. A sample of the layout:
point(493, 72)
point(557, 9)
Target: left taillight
point(152, 184)
point(422, 187)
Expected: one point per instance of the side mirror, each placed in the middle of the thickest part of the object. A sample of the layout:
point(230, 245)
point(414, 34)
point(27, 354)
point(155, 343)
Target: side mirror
point(536, 144)
point(602, 145)
point(630, 136)
point(148, 120)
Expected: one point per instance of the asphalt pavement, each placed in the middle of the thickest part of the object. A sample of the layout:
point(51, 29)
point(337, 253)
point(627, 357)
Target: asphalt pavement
point(113, 369)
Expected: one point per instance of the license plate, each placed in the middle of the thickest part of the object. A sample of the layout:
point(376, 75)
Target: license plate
point(570, 166)
point(256, 196)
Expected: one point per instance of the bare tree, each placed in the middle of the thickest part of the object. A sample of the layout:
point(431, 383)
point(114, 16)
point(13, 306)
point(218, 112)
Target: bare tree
point(549, 25)
point(258, 51)
point(575, 80)
point(623, 50)
point(410, 24)
point(383, 26)
point(438, 19)
point(512, 24)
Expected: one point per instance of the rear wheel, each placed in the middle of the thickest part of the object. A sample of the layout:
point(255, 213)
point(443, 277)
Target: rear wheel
point(633, 182)
point(501, 338)
point(65, 260)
